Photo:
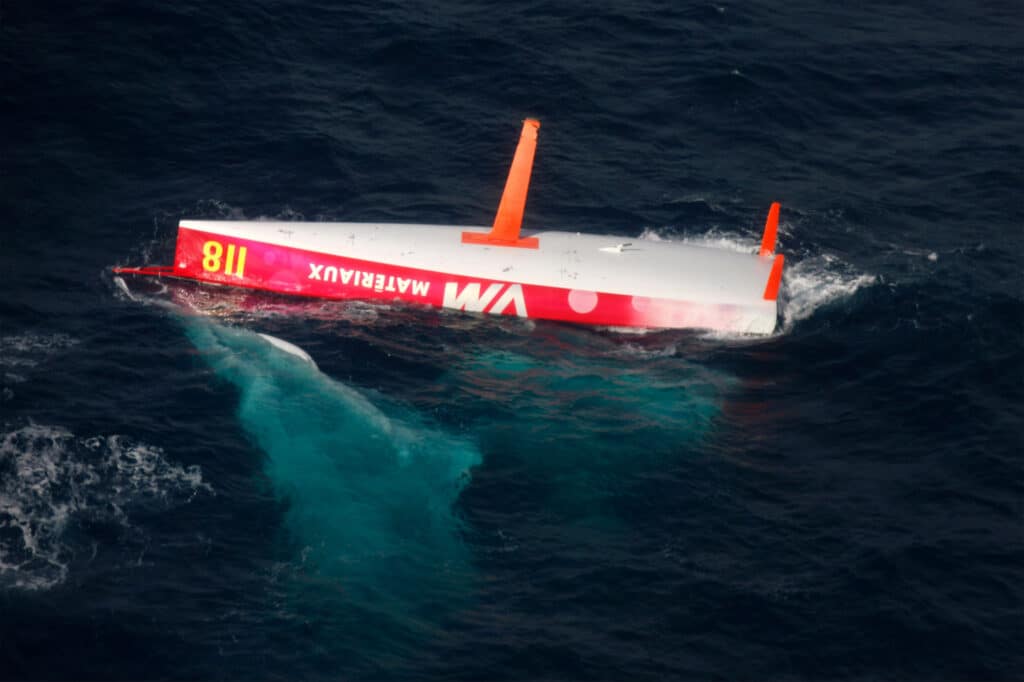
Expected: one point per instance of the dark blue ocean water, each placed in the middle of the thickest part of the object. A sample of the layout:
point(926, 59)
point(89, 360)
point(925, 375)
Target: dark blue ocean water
point(465, 498)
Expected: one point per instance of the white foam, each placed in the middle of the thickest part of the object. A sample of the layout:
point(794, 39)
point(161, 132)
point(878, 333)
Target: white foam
point(637, 331)
point(48, 477)
point(651, 235)
point(714, 238)
point(125, 292)
point(289, 348)
point(816, 282)
point(730, 241)
point(635, 351)
point(26, 350)
point(218, 209)
point(287, 214)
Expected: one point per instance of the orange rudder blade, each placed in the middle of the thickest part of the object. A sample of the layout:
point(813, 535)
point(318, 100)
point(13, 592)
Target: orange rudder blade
point(771, 230)
point(771, 290)
point(509, 220)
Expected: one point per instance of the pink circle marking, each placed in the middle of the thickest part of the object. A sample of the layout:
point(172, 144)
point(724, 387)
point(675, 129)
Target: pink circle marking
point(582, 302)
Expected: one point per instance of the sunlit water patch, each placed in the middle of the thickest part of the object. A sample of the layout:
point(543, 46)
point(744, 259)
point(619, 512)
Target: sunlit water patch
point(369, 487)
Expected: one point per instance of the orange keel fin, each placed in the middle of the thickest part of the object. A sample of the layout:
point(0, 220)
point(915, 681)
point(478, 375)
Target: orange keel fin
point(771, 230)
point(505, 231)
point(771, 290)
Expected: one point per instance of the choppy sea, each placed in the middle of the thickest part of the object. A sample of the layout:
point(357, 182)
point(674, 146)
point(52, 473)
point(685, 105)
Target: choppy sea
point(455, 497)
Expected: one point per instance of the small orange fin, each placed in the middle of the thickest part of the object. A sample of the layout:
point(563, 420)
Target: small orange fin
point(771, 290)
point(509, 220)
point(771, 230)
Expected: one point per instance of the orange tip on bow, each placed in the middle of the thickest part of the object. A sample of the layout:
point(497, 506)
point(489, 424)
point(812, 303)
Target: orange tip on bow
point(771, 230)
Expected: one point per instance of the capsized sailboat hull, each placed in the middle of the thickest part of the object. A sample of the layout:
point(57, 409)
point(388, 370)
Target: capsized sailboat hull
point(553, 275)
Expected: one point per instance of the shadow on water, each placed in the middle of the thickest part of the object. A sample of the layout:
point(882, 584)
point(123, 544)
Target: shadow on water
point(587, 426)
point(368, 488)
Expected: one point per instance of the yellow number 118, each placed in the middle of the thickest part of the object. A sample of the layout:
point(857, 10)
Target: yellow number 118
point(212, 252)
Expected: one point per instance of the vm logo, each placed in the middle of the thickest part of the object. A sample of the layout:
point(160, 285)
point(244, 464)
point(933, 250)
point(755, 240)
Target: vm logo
point(495, 299)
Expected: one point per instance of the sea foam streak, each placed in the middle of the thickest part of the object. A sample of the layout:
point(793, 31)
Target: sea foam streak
point(25, 349)
point(49, 478)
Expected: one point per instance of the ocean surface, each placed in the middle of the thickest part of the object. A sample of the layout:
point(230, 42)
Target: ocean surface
point(446, 496)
